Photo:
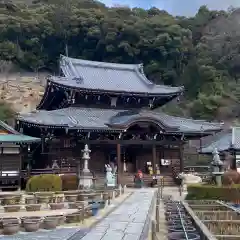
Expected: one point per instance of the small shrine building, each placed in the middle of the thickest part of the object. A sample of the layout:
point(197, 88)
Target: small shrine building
point(112, 108)
point(14, 150)
point(227, 143)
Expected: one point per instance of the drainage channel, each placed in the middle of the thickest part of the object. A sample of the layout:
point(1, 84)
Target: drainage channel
point(179, 222)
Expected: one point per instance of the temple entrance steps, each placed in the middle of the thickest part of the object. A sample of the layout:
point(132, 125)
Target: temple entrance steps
point(128, 179)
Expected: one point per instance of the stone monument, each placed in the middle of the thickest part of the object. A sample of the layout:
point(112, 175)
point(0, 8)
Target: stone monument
point(86, 177)
point(110, 176)
point(217, 166)
point(55, 165)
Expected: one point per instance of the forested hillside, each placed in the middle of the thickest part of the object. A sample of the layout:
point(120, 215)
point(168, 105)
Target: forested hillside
point(202, 53)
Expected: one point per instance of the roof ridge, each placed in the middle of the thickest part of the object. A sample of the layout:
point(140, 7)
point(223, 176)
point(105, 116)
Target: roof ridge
point(119, 66)
point(143, 76)
point(137, 68)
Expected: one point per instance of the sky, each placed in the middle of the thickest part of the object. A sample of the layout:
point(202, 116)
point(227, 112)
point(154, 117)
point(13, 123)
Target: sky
point(176, 7)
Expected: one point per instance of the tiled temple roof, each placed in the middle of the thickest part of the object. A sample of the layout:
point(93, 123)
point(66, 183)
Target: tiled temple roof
point(12, 136)
point(111, 77)
point(224, 141)
point(18, 139)
point(114, 120)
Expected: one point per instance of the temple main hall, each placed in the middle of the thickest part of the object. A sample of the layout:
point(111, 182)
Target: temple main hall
point(116, 110)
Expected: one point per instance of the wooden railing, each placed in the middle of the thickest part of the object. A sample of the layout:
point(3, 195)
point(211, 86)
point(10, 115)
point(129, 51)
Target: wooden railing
point(199, 169)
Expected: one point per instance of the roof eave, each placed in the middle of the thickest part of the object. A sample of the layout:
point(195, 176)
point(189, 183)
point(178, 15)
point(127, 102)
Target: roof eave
point(192, 133)
point(210, 152)
point(8, 128)
point(20, 141)
point(80, 128)
point(91, 90)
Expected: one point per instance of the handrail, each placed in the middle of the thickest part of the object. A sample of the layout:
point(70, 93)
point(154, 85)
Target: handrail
point(229, 206)
point(181, 220)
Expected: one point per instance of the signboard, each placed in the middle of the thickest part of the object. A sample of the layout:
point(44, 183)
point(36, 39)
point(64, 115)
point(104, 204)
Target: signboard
point(165, 162)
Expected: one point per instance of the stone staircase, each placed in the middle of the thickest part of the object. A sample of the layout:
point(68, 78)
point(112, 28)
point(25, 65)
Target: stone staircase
point(128, 179)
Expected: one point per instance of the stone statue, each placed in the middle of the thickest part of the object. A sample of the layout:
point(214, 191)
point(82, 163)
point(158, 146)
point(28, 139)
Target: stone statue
point(55, 165)
point(216, 159)
point(217, 166)
point(110, 176)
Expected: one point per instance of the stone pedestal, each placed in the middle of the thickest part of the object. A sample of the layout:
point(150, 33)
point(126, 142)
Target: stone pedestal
point(218, 178)
point(85, 180)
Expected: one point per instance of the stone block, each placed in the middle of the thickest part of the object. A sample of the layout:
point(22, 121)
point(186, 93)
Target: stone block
point(118, 226)
point(134, 228)
point(92, 235)
point(131, 237)
point(112, 235)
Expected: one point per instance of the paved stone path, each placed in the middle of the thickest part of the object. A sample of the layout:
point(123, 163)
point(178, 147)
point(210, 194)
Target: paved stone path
point(56, 234)
point(127, 221)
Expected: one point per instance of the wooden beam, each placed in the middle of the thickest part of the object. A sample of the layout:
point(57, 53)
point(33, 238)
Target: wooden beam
point(130, 142)
point(119, 167)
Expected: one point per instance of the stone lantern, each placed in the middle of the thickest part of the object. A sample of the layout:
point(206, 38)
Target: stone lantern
point(217, 167)
point(86, 177)
point(86, 157)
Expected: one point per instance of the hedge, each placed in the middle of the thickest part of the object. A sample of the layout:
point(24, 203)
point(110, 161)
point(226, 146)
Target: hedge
point(44, 183)
point(224, 193)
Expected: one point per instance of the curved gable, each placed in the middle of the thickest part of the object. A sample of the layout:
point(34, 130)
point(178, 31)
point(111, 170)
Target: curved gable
point(127, 119)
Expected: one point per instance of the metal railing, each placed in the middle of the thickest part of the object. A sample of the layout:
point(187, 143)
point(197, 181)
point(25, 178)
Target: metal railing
point(155, 224)
point(182, 221)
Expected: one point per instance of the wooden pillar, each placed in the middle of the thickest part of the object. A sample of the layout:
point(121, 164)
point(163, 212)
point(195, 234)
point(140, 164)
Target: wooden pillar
point(42, 142)
point(136, 164)
point(154, 158)
point(119, 169)
point(181, 157)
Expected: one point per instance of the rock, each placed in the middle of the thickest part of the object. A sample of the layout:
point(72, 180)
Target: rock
point(231, 177)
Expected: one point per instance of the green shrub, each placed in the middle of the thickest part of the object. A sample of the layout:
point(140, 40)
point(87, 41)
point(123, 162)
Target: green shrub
point(224, 193)
point(69, 182)
point(44, 183)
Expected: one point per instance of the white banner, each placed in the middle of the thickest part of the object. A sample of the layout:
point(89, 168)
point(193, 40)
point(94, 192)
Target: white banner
point(165, 162)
